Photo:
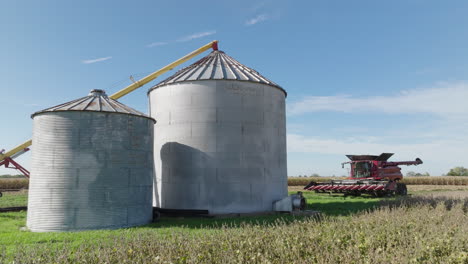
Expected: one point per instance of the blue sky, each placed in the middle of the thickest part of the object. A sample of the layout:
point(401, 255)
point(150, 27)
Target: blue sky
point(362, 76)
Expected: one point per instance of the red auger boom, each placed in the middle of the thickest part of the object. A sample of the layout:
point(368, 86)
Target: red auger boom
point(369, 174)
point(7, 158)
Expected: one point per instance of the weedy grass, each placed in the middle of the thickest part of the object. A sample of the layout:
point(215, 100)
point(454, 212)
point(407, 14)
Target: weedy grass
point(420, 229)
point(11, 223)
point(428, 227)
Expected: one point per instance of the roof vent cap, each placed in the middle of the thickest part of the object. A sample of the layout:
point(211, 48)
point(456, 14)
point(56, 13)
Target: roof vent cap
point(97, 92)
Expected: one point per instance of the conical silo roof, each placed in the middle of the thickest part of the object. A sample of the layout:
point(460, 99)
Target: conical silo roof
point(217, 66)
point(96, 101)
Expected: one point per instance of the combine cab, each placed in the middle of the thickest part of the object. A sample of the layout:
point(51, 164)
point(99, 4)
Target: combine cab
point(369, 174)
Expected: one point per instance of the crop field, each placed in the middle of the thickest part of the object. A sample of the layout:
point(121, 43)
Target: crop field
point(442, 180)
point(22, 183)
point(14, 183)
point(429, 226)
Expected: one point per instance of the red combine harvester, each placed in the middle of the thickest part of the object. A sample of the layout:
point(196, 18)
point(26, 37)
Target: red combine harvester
point(369, 174)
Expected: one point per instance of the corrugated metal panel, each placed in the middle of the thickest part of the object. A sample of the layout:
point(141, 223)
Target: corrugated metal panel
point(96, 101)
point(217, 66)
point(219, 145)
point(90, 170)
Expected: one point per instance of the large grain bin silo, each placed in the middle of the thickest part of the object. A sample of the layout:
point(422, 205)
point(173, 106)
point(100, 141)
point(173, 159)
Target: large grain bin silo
point(92, 166)
point(220, 140)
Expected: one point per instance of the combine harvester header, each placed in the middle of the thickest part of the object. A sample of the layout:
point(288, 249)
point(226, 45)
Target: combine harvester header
point(7, 158)
point(369, 174)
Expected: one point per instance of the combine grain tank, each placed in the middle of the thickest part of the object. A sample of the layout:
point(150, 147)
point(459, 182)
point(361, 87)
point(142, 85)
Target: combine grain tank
point(92, 166)
point(220, 140)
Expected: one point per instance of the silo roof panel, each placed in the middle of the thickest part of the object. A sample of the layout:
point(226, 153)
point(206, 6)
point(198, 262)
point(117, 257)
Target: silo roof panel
point(207, 71)
point(217, 66)
point(229, 73)
point(95, 101)
point(218, 73)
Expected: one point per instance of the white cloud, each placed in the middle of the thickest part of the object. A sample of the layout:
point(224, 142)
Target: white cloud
point(444, 100)
point(257, 19)
point(96, 60)
point(438, 136)
point(310, 144)
point(156, 44)
point(197, 35)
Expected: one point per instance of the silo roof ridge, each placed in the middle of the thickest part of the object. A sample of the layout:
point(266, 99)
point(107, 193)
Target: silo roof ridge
point(95, 101)
point(217, 66)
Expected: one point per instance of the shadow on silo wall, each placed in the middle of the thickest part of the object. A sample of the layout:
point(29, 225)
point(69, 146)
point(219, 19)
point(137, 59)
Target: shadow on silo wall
point(190, 179)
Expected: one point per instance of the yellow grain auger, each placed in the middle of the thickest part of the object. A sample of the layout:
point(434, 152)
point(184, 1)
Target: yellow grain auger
point(7, 158)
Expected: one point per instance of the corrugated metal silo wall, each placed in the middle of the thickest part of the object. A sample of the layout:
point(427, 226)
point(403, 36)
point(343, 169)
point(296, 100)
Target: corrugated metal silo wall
point(219, 145)
point(90, 170)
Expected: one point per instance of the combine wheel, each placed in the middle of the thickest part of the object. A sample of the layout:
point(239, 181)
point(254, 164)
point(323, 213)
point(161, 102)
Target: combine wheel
point(401, 189)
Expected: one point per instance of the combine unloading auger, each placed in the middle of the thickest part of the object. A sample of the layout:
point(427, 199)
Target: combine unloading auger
point(369, 174)
point(7, 158)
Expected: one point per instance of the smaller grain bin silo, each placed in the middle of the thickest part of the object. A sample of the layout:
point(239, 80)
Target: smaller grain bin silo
point(92, 166)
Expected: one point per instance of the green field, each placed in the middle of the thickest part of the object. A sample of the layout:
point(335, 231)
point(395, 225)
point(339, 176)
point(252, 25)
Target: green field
point(13, 199)
point(427, 227)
